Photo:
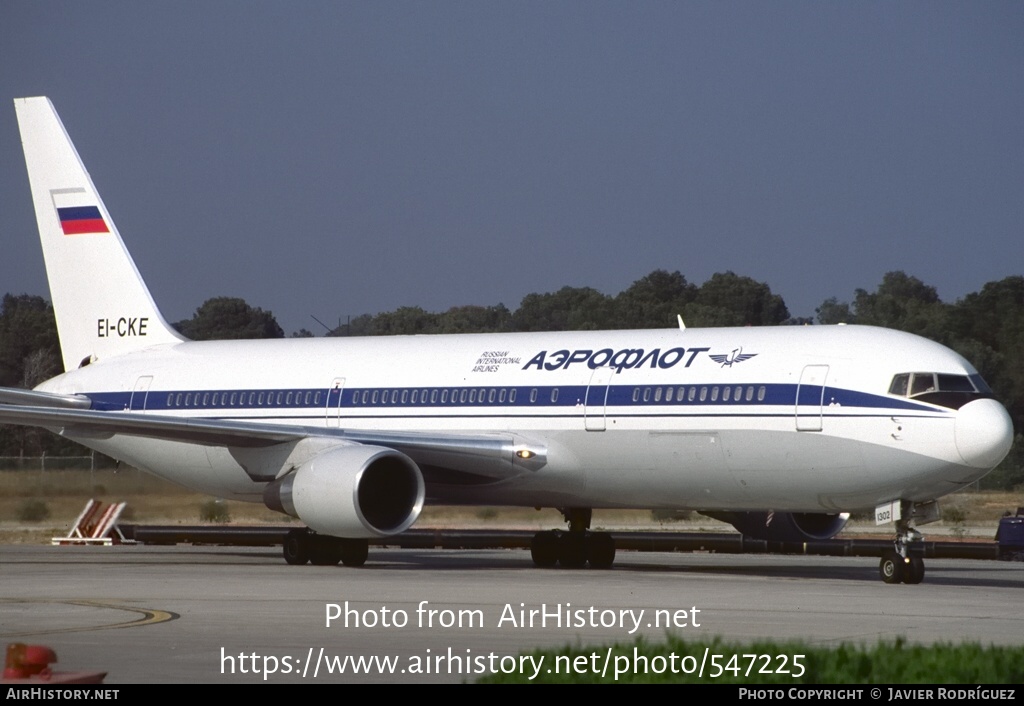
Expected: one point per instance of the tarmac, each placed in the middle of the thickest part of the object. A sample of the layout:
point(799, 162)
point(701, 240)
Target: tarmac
point(205, 614)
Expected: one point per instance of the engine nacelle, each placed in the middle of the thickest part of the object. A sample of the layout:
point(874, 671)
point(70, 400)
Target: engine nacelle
point(785, 526)
point(356, 492)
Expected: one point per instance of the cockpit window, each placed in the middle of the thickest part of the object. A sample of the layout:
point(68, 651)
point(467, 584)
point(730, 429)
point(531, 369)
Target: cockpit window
point(953, 391)
point(900, 384)
point(980, 385)
point(923, 382)
point(955, 383)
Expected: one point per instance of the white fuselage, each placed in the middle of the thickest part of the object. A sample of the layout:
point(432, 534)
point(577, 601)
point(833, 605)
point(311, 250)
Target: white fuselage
point(699, 418)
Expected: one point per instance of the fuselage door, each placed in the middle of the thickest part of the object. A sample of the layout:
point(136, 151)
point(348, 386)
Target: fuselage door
point(597, 397)
point(333, 408)
point(810, 394)
point(140, 393)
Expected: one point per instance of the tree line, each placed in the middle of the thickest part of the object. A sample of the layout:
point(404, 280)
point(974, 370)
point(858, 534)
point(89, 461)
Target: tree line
point(986, 327)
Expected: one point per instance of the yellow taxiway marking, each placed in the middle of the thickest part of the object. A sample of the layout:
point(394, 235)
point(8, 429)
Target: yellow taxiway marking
point(147, 616)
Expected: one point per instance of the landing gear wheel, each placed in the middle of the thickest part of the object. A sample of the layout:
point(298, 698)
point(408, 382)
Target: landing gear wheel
point(914, 570)
point(572, 550)
point(324, 551)
point(353, 552)
point(600, 550)
point(892, 567)
point(544, 549)
point(296, 547)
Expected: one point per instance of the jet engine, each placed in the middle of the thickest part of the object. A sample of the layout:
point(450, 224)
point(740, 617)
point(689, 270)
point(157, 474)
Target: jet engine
point(355, 491)
point(785, 526)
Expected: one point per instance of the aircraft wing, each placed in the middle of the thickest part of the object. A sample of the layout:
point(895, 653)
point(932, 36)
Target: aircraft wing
point(487, 456)
point(33, 398)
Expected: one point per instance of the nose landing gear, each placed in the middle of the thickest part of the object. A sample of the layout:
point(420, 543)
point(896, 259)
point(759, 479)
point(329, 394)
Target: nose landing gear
point(902, 564)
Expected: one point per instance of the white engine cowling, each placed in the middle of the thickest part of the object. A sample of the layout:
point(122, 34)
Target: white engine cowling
point(352, 491)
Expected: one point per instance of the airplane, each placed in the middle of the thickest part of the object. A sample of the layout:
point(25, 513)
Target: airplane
point(781, 431)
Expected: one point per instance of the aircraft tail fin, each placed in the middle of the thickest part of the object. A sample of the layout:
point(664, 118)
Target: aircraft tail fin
point(102, 306)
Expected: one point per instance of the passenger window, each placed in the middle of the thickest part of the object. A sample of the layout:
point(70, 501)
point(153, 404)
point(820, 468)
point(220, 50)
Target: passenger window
point(472, 396)
point(252, 398)
point(444, 396)
point(170, 400)
point(374, 398)
point(234, 398)
point(760, 393)
point(490, 396)
point(512, 396)
point(405, 396)
point(188, 399)
point(433, 396)
point(737, 392)
point(288, 399)
point(647, 394)
point(554, 395)
point(725, 393)
point(501, 395)
point(636, 394)
point(703, 393)
point(533, 395)
point(316, 398)
point(306, 398)
point(206, 399)
point(714, 393)
point(668, 394)
point(657, 394)
point(692, 394)
point(462, 396)
point(750, 394)
point(280, 396)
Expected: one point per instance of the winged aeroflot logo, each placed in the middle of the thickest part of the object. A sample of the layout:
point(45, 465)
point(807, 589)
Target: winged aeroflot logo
point(737, 356)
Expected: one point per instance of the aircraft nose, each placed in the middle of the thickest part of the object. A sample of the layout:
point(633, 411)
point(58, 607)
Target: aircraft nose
point(983, 433)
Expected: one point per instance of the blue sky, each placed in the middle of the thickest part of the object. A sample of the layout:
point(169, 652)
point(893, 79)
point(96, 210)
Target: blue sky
point(335, 158)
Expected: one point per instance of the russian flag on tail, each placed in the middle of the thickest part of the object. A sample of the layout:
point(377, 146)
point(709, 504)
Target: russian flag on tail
point(81, 219)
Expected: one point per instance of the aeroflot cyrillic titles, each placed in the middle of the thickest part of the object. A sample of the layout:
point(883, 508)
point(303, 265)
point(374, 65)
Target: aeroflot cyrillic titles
point(622, 359)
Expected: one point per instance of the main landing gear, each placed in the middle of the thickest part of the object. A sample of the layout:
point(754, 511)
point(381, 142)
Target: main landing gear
point(303, 545)
point(900, 564)
point(577, 547)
